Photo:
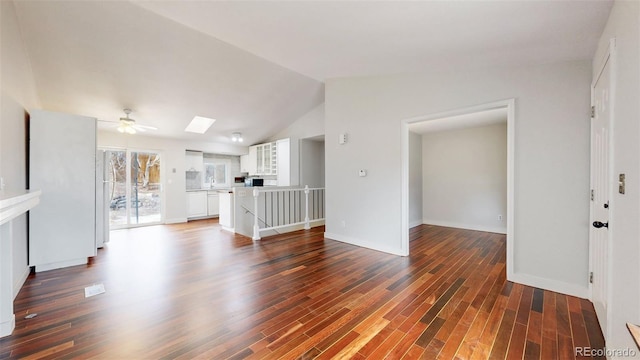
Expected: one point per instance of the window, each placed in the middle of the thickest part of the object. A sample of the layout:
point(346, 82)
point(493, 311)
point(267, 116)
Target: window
point(216, 172)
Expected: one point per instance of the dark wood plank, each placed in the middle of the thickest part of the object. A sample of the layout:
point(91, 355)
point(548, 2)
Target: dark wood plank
point(499, 349)
point(194, 291)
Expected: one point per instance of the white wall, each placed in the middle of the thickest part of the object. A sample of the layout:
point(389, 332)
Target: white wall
point(173, 164)
point(551, 159)
point(465, 178)
point(624, 306)
point(312, 163)
point(18, 95)
point(309, 125)
point(415, 179)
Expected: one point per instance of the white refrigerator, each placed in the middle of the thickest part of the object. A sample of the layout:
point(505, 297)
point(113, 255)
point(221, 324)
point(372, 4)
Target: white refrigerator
point(63, 230)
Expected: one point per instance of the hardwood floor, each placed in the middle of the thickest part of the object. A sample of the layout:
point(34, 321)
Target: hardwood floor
point(194, 291)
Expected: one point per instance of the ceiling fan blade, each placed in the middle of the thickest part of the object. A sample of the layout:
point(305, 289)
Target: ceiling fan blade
point(108, 123)
point(126, 122)
point(146, 127)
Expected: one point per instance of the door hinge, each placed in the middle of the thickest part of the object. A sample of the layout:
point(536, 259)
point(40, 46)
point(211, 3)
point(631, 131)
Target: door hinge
point(591, 277)
point(593, 111)
point(591, 194)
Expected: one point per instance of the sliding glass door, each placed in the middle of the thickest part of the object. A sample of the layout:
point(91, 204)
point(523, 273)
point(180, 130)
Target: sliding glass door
point(134, 181)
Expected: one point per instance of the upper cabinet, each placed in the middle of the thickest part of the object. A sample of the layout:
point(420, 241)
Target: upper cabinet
point(252, 162)
point(284, 163)
point(263, 159)
point(267, 159)
point(244, 163)
point(279, 158)
point(288, 167)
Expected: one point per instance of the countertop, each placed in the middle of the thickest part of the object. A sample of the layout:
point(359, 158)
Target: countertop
point(213, 190)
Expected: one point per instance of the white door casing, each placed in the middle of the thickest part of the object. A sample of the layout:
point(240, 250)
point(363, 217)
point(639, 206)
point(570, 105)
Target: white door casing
point(509, 104)
point(599, 233)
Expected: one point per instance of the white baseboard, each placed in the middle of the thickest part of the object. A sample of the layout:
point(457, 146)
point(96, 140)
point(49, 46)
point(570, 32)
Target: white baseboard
point(497, 230)
point(18, 284)
point(549, 284)
point(59, 265)
point(415, 223)
point(6, 327)
point(364, 244)
point(230, 229)
point(175, 221)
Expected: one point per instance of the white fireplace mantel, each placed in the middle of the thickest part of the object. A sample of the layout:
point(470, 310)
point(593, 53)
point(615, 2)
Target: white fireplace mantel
point(12, 205)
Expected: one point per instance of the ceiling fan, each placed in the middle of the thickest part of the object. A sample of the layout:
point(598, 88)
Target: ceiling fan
point(128, 125)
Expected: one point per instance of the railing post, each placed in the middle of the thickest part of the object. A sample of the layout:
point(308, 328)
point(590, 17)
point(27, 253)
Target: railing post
point(256, 228)
point(306, 208)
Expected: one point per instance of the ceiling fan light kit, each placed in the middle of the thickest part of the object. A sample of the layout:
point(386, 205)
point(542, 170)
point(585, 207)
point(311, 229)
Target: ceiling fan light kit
point(127, 125)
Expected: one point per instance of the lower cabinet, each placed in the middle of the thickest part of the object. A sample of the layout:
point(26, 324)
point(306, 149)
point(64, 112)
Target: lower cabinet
point(213, 204)
point(226, 211)
point(202, 204)
point(196, 204)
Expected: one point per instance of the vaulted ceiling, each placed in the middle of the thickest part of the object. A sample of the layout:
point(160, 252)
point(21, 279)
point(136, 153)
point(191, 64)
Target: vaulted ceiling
point(257, 66)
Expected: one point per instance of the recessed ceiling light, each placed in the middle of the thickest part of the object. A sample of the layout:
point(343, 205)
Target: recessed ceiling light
point(199, 125)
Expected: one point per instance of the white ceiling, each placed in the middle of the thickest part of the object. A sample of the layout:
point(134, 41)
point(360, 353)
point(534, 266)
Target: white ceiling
point(257, 66)
point(326, 39)
point(481, 118)
point(97, 57)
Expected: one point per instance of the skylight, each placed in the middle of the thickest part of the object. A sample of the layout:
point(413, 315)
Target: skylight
point(199, 125)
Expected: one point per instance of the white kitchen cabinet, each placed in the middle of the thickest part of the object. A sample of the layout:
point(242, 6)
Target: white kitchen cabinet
point(194, 161)
point(213, 203)
point(288, 167)
point(268, 164)
point(263, 159)
point(284, 175)
point(244, 163)
point(196, 204)
point(252, 163)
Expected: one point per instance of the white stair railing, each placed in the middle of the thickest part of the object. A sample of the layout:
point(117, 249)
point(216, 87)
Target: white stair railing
point(281, 208)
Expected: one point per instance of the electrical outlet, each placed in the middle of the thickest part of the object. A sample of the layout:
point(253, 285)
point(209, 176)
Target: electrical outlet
point(343, 223)
point(499, 217)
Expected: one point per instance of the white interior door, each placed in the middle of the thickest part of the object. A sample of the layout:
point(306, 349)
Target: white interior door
point(600, 187)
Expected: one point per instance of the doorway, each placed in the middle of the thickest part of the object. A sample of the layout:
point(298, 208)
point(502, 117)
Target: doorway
point(134, 188)
point(312, 162)
point(509, 106)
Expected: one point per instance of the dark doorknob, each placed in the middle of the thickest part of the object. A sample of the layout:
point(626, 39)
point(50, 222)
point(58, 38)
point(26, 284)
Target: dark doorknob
point(599, 224)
